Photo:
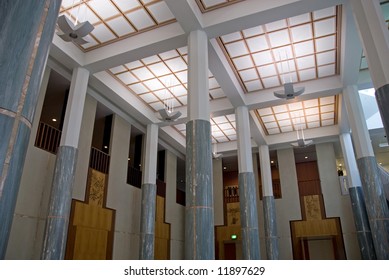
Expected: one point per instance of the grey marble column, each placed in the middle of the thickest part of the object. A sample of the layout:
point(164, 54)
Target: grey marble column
point(376, 205)
point(382, 96)
point(27, 29)
point(149, 196)
point(361, 221)
point(60, 203)
point(271, 238)
point(365, 239)
point(199, 218)
point(249, 216)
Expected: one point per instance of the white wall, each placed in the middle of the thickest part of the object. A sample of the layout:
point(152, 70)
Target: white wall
point(125, 199)
point(336, 204)
point(174, 213)
point(288, 207)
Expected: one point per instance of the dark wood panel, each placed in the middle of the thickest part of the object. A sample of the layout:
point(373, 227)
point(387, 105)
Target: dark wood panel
point(307, 171)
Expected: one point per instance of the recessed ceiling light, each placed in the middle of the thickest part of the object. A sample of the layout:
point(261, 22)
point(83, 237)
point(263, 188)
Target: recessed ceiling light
point(272, 161)
point(306, 157)
point(54, 120)
point(105, 147)
point(224, 168)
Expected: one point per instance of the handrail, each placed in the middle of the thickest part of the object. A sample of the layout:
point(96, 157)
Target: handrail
point(48, 138)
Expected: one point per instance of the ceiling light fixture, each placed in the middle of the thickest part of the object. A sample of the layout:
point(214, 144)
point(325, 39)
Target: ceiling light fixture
point(215, 155)
point(75, 32)
point(167, 114)
point(289, 92)
point(301, 142)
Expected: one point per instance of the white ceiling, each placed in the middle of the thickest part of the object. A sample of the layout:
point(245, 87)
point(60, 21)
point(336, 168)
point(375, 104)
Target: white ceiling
point(138, 60)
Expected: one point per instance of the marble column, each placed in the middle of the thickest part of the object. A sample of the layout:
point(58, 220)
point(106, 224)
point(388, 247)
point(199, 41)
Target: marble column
point(247, 188)
point(269, 209)
point(374, 35)
point(199, 217)
point(64, 171)
point(27, 29)
point(376, 205)
point(362, 226)
point(149, 195)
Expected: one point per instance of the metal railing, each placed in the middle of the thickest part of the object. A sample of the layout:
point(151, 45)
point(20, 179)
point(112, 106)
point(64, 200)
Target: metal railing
point(48, 138)
point(134, 177)
point(99, 160)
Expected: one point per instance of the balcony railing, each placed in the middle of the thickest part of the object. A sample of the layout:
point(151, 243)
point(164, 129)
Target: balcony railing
point(99, 160)
point(48, 138)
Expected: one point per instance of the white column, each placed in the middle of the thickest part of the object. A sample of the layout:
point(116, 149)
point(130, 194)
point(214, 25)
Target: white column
point(247, 187)
point(264, 163)
point(353, 178)
point(361, 137)
point(65, 169)
point(149, 193)
point(199, 216)
point(245, 160)
point(198, 83)
point(75, 108)
point(151, 152)
point(374, 35)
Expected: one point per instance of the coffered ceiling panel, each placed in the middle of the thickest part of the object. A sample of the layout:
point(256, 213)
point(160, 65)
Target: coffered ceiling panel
point(116, 19)
point(162, 78)
point(223, 128)
point(296, 49)
point(299, 115)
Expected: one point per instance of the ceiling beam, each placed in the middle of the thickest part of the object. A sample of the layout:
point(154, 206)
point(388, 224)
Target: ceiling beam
point(143, 45)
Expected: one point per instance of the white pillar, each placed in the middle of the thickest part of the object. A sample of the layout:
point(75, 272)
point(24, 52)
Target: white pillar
point(374, 35)
point(245, 160)
point(149, 193)
point(75, 108)
point(353, 178)
point(264, 163)
point(198, 83)
point(361, 137)
point(151, 152)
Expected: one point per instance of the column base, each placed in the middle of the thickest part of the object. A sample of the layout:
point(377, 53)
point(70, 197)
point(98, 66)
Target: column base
point(147, 220)
point(271, 238)
point(249, 216)
point(382, 96)
point(365, 239)
point(199, 220)
point(60, 204)
point(376, 205)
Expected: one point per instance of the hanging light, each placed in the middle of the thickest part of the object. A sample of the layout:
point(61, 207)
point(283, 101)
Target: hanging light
point(74, 31)
point(289, 91)
point(301, 142)
point(167, 114)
